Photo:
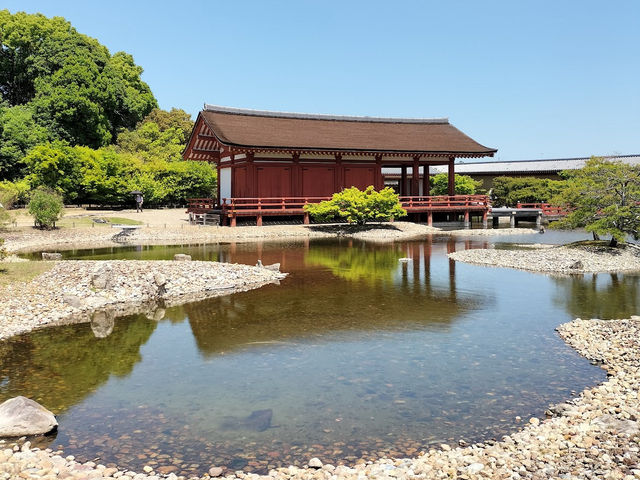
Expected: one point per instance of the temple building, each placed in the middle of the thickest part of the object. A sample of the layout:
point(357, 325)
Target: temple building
point(270, 155)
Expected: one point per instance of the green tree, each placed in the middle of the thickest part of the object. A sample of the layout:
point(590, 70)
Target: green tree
point(45, 207)
point(357, 206)
point(604, 198)
point(465, 185)
point(75, 88)
point(57, 167)
point(508, 191)
point(18, 133)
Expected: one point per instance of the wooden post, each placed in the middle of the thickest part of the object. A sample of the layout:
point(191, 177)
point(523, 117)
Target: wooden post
point(296, 176)
point(339, 173)
point(379, 180)
point(218, 184)
point(430, 218)
point(403, 180)
point(452, 178)
point(467, 223)
point(252, 176)
point(426, 187)
point(484, 219)
point(415, 177)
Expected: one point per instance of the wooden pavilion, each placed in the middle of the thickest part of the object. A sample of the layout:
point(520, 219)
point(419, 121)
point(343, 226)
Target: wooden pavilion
point(272, 163)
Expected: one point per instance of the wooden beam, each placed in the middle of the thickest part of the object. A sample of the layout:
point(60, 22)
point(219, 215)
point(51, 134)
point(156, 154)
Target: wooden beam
point(403, 180)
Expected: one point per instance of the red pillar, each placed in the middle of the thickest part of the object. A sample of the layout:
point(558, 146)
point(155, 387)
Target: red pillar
point(403, 180)
point(452, 178)
point(339, 179)
point(296, 177)
point(379, 180)
point(426, 187)
point(218, 184)
point(415, 176)
point(252, 176)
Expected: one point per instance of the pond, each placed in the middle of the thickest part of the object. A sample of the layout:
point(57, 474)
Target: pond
point(354, 355)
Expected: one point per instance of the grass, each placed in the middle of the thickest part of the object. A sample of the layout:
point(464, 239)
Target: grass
point(13, 272)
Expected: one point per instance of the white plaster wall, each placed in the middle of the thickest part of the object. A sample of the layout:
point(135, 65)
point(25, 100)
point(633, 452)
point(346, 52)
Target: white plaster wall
point(225, 183)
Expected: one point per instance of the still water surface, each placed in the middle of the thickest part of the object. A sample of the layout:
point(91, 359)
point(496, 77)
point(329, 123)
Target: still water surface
point(354, 355)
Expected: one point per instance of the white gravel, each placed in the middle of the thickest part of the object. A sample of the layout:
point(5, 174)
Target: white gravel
point(555, 260)
point(73, 290)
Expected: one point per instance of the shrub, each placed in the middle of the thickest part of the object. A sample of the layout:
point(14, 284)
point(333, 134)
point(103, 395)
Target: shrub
point(45, 207)
point(508, 191)
point(465, 185)
point(357, 206)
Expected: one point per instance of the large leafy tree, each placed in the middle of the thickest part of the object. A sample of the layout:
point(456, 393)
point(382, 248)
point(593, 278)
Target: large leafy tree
point(603, 197)
point(75, 88)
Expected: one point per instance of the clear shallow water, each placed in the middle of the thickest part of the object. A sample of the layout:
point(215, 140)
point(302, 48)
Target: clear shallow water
point(353, 355)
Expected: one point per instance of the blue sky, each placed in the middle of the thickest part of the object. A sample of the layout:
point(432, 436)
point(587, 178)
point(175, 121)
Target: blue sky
point(535, 79)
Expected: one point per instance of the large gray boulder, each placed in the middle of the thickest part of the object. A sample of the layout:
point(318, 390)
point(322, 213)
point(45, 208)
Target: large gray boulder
point(22, 416)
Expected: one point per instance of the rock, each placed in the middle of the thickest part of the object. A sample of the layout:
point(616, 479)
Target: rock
point(274, 267)
point(51, 256)
point(102, 323)
point(74, 301)
point(578, 265)
point(159, 314)
point(181, 257)
point(534, 421)
point(147, 469)
point(160, 279)
point(315, 463)
point(23, 416)
point(164, 470)
point(475, 468)
point(259, 264)
point(102, 278)
point(215, 471)
point(404, 260)
point(258, 421)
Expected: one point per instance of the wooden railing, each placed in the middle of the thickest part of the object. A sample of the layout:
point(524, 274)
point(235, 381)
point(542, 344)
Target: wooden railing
point(259, 207)
point(200, 205)
point(547, 209)
point(446, 202)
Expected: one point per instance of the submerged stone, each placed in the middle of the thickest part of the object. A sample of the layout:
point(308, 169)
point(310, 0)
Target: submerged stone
point(22, 416)
point(258, 421)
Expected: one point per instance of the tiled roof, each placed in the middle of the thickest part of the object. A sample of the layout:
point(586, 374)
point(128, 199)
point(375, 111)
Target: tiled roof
point(293, 131)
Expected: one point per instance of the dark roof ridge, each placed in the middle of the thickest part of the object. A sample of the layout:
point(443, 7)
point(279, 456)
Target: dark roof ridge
point(318, 116)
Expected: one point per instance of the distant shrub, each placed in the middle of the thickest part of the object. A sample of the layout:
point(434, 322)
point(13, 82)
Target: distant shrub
point(465, 185)
point(508, 191)
point(357, 206)
point(46, 207)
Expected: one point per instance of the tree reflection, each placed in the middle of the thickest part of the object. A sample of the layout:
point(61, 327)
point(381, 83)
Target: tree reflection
point(599, 295)
point(60, 367)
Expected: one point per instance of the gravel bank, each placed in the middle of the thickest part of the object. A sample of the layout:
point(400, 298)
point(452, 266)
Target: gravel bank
point(26, 239)
point(559, 260)
point(97, 291)
point(593, 436)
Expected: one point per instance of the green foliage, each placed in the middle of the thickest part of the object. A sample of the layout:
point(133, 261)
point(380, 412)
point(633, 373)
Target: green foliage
point(358, 206)
point(3, 251)
point(18, 191)
point(73, 86)
point(18, 133)
point(45, 207)
point(603, 197)
point(160, 136)
point(7, 197)
point(465, 185)
point(508, 191)
point(57, 167)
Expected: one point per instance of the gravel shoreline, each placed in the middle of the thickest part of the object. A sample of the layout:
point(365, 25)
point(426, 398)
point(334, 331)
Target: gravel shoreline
point(595, 435)
point(26, 239)
point(94, 291)
point(561, 260)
